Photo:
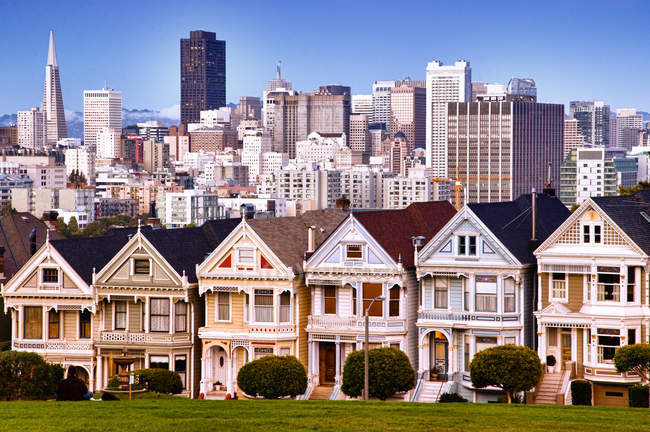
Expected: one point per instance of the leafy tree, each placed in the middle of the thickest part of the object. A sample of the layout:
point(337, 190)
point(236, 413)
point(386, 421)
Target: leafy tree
point(389, 372)
point(78, 178)
point(61, 226)
point(73, 227)
point(273, 377)
point(160, 380)
point(343, 203)
point(25, 375)
point(509, 367)
point(634, 358)
point(622, 190)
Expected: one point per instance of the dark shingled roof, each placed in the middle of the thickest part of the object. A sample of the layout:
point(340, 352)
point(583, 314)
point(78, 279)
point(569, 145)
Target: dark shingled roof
point(183, 248)
point(511, 222)
point(287, 236)
point(393, 229)
point(628, 213)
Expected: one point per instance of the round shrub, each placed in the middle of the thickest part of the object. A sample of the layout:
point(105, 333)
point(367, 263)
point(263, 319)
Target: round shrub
point(114, 383)
point(638, 396)
point(511, 368)
point(273, 377)
point(634, 358)
point(159, 380)
point(550, 360)
point(25, 375)
point(580, 392)
point(389, 372)
point(451, 397)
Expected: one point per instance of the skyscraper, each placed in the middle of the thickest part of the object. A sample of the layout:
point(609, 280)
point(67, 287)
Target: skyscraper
point(381, 102)
point(408, 115)
point(102, 109)
point(510, 155)
point(32, 129)
point(52, 97)
point(444, 84)
point(362, 104)
point(203, 75)
point(573, 137)
point(593, 120)
point(274, 87)
point(359, 139)
point(628, 124)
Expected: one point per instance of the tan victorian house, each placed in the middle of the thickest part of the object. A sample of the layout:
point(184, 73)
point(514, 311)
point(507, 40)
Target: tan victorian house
point(592, 294)
point(256, 302)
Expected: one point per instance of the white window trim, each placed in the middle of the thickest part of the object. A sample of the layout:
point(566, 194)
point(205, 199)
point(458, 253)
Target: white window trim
point(252, 299)
point(433, 292)
point(466, 236)
point(51, 285)
point(238, 248)
point(345, 251)
point(141, 257)
point(90, 338)
point(290, 308)
point(216, 308)
point(336, 297)
point(591, 224)
point(564, 299)
point(126, 328)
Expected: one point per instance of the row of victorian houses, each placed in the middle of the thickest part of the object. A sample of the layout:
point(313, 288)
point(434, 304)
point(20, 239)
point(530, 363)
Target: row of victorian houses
point(437, 283)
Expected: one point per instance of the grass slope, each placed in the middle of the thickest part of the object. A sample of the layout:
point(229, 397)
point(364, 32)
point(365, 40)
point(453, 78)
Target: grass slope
point(181, 415)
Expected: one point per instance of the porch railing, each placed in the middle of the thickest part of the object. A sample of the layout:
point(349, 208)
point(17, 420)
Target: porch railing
point(129, 337)
point(53, 345)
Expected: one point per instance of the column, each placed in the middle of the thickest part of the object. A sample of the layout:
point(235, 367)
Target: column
point(622, 285)
point(276, 307)
point(235, 359)
point(593, 281)
point(44, 323)
point(100, 374)
point(539, 291)
point(14, 323)
point(146, 319)
point(229, 372)
point(542, 341)
point(338, 363)
point(91, 378)
point(171, 315)
point(574, 345)
point(310, 359)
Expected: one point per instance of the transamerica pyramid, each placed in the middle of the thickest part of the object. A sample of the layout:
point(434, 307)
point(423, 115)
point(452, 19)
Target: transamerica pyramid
point(52, 97)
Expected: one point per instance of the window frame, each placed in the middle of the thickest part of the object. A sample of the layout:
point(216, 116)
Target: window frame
point(243, 262)
point(551, 290)
point(218, 304)
point(50, 323)
point(125, 312)
point(495, 295)
point(325, 297)
point(40, 314)
point(359, 252)
point(378, 304)
point(506, 282)
point(467, 245)
point(178, 315)
point(263, 293)
point(282, 307)
point(152, 315)
point(83, 323)
point(394, 301)
point(134, 266)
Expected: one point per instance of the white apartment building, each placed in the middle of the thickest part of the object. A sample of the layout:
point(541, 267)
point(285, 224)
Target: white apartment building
point(68, 142)
point(192, 206)
point(32, 129)
point(627, 118)
point(102, 108)
point(381, 102)
point(272, 162)
point(34, 200)
point(109, 143)
point(197, 161)
point(178, 146)
point(399, 192)
point(321, 187)
point(212, 118)
point(359, 185)
point(573, 137)
point(81, 200)
point(444, 84)
point(320, 147)
point(81, 159)
point(362, 104)
point(255, 142)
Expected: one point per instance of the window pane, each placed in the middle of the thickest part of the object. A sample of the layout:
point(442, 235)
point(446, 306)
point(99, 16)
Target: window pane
point(141, 266)
point(441, 292)
point(353, 251)
point(329, 300)
point(120, 315)
point(54, 320)
point(393, 305)
point(223, 306)
point(180, 317)
point(472, 245)
point(159, 315)
point(370, 292)
point(461, 245)
point(84, 324)
point(50, 275)
point(285, 307)
point(264, 305)
point(33, 322)
point(596, 233)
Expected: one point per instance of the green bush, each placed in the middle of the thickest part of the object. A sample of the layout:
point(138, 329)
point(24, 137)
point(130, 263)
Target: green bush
point(273, 377)
point(451, 397)
point(389, 372)
point(159, 380)
point(509, 367)
point(550, 360)
point(638, 396)
point(580, 393)
point(25, 375)
point(634, 358)
point(114, 383)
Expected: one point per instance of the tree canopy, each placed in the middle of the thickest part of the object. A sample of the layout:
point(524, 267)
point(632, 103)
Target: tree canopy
point(634, 358)
point(509, 367)
point(622, 190)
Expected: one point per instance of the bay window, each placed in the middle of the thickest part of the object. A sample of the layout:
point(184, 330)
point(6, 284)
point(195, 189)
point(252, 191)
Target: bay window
point(329, 300)
point(609, 280)
point(120, 315)
point(159, 311)
point(33, 322)
point(393, 302)
point(509, 296)
point(441, 292)
point(180, 317)
point(370, 292)
point(486, 293)
point(608, 342)
point(263, 305)
point(285, 307)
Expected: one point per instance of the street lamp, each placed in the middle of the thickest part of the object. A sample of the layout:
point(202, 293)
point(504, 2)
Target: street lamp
point(366, 349)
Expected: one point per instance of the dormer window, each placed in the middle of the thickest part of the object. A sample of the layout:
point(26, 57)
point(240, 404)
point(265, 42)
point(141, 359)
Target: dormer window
point(466, 245)
point(50, 275)
point(141, 266)
point(246, 257)
point(592, 228)
point(353, 251)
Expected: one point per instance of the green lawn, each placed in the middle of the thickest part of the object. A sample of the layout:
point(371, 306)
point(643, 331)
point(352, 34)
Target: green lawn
point(178, 414)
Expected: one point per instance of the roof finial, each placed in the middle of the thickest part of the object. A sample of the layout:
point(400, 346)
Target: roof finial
point(278, 74)
point(47, 236)
point(139, 223)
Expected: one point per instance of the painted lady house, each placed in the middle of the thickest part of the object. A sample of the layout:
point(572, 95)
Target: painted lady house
point(367, 263)
point(593, 295)
point(256, 302)
point(477, 284)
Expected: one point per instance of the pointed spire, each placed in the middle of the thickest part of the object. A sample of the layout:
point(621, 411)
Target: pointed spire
point(47, 235)
point(278, 74)
point(51, 52)
point(139, 223)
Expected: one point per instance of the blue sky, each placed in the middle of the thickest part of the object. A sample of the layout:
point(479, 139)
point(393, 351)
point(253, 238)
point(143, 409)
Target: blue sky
point(574, 50)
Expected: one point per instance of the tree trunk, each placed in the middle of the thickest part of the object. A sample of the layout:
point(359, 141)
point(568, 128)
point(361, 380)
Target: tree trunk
point(509, 397)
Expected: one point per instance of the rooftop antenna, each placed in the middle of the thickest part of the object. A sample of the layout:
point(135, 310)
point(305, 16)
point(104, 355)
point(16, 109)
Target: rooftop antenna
point(278, 73)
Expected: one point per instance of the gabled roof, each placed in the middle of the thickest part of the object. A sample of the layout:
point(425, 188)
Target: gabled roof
point(631, 213)
point(511, 222)
point(287, 236)
point(393, 229)
point(14, 236)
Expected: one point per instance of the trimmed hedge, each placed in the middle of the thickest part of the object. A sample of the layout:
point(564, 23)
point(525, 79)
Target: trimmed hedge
point(25, 376)
point(273, 377)
point(159, 380)
point(581, 393)
point(451, 397)
point(639, 396)
point(389, 371)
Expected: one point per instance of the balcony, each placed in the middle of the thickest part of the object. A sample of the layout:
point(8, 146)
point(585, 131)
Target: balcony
point(466, 317)
point(335, 323)
point(52, 345)
point(121, 338)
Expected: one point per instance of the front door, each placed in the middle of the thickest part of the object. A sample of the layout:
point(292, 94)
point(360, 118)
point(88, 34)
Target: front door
point(439, 356)
point(327, 362)
point(219, 364)
point(566, 348)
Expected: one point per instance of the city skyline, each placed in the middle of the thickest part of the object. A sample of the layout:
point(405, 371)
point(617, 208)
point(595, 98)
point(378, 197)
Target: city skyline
point(144, 65)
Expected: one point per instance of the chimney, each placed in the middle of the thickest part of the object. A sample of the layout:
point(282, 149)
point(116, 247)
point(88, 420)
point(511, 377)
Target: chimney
point(533, 243)
point(310, 239)
point(458, 196)
point(548, 189)
point(32, 242)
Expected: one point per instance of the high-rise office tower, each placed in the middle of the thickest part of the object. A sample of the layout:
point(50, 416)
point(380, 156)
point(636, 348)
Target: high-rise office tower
point(102, 109)
point(593, 120)
point(52, 97)
point(511, 154)
point(381, 102)
point(203, 75)
point(478, 88)
point(296, 116)
point(628, 124)
point(408, 115)
point(362, 104)
point(274, 87)
point(32, 129)
point(573, 137)
point(359, 139)
point(444, 84)
point(249, 108)
point(613, 132)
